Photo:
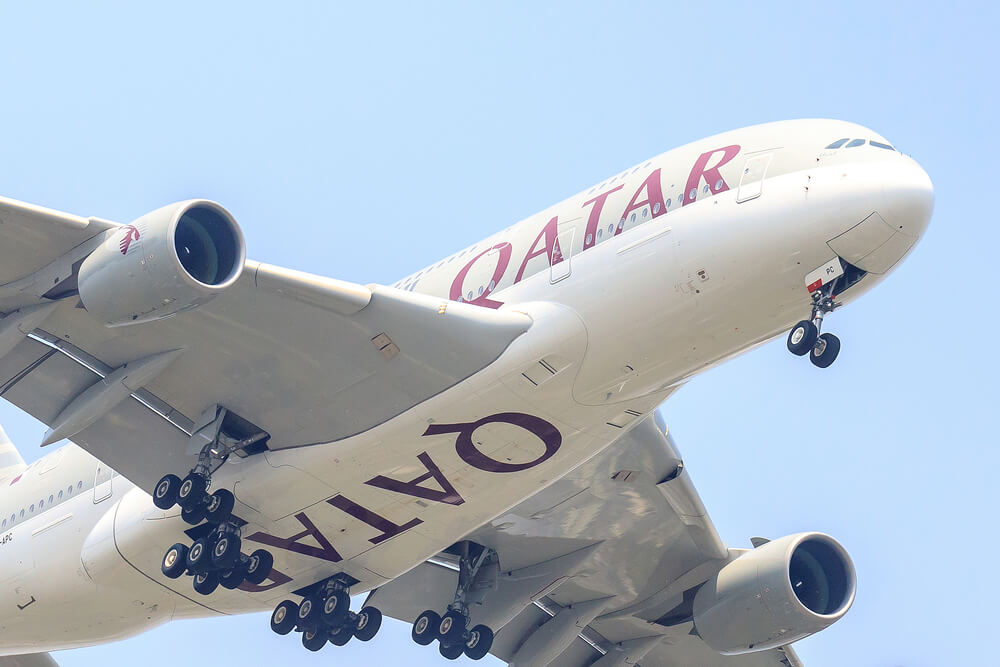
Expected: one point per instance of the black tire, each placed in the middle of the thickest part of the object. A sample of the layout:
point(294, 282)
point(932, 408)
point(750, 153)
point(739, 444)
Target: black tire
point(336, 607)
point(206, 582)
point(231, 579)
point(259, 566)
point(825, 351)
point(165, 491)
point(479, 642)
point(367, 624)
point(425, 627)
point(314, 638)
point(310, 612)
point(192, 491)
point(199, 556)
point(220, 506)
point(284, 617)
point(340, 636)
point(226, 551)
point(193, 516)
point(451, 651)
point(802, 337)
point(174, 562)
point(451, 629)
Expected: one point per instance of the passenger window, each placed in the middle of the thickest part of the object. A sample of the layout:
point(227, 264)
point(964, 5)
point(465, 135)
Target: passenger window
point(878, 144)
point(656, 208)
point(856, 142)
point(837, 144)
point(22, 514)
point(668, 202)
point(51, 498)
point(60, 495)
point(633, 217)
point(32, 508)
point(4, 524)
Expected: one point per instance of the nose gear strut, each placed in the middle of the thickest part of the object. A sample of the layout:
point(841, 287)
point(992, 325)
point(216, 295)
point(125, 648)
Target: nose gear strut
point(805, 337)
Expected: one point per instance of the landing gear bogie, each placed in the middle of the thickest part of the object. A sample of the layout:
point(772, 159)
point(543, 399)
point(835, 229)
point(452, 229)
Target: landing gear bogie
point(325, 613)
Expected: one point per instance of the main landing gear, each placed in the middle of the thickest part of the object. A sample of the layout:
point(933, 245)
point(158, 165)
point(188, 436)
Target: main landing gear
point(452, 630)
point(805, 337)
point(215, 559)
point(325, 616)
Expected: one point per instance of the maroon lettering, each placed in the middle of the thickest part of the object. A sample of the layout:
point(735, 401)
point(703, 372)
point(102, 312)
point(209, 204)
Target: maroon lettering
point(447, 494)
point(549, 233)
point(590, 236)
point(467, 450)
point(710, 174)
point(276, 578)
point(654, 199)
point(324, 551)
point(482, 299)
point(376, 521)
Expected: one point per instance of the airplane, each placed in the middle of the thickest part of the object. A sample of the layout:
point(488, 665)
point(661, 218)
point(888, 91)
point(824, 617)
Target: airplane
point(475, 447)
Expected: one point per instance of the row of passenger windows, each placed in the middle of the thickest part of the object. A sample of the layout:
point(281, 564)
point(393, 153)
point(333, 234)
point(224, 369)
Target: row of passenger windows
point(854, 143)
point(53, 498)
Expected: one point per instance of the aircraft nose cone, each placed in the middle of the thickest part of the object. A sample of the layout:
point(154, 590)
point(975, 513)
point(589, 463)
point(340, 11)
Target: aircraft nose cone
point(909, 198)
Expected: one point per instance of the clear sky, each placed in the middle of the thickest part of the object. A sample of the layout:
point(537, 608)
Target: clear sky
point(366, 140)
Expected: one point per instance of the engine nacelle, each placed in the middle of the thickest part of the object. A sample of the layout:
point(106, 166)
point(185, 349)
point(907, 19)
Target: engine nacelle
point(775, 594)
point(173, 259)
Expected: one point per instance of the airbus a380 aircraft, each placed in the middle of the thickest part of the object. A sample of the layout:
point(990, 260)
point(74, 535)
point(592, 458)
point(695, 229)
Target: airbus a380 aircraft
point(474, 447)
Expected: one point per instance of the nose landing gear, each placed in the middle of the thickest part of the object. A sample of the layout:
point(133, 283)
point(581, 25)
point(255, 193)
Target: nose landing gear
point(805, 337)
point(478, 566)
point(324, 615)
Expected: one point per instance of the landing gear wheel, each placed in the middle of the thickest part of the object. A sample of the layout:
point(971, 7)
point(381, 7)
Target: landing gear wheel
point(220, 506)
point(165, 493)
point(195, 515)
point(231, 579)
point(174, 561)
point(802, 337)
point(425, 628)
point(259, 566)
point(451, 629)
point(479, 642)
point(191, 490)
point(335, 609)
point(340, 636)
point(226, 552)
point(368, 622)
point(206, 582)
point(309, 613)
point(199, 556)
point(451, 651)
point(314, 638)
point(284, 616)
point(825, 350)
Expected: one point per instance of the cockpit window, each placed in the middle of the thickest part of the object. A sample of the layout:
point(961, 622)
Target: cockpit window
point(856, 142)
point(877, 144)
point(837, 144)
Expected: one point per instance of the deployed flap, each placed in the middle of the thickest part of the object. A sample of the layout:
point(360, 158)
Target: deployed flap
point(305, 358)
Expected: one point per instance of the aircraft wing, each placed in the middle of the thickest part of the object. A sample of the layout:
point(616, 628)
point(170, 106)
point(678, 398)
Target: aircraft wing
point(594, 567)
point(306, 359)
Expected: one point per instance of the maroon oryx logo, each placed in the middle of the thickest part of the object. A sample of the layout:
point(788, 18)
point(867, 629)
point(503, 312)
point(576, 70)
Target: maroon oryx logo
point(131, 234)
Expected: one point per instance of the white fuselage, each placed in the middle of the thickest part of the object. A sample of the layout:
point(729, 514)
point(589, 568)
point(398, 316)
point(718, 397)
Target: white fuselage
point(633, 286)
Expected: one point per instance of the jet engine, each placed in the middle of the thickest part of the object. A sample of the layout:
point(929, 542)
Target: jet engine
point(173, 259)
point(780, 592)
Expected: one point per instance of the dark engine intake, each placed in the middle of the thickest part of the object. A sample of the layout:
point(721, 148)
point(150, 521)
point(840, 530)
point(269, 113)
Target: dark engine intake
point(173, 259)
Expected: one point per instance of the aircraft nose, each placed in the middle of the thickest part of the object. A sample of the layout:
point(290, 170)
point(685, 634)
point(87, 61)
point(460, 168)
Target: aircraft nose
point(901, 194)
point(908, 198)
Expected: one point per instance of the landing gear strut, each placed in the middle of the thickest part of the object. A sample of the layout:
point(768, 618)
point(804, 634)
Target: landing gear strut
point(214, 559)
point(325, 615)
point(452, 629)
point(805, 337)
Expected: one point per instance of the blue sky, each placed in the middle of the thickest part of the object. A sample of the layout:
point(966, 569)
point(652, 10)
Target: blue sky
point(366, 141)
